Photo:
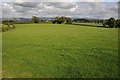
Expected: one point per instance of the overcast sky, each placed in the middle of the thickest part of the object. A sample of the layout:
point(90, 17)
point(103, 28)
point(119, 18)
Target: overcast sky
point(71, 8)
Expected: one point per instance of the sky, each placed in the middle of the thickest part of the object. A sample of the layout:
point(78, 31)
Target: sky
point(51, 8)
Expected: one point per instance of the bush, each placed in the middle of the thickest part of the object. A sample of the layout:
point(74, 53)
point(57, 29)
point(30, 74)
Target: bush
point(118, 23)
point(7, 25)
point(62, 19)
point(111, 23)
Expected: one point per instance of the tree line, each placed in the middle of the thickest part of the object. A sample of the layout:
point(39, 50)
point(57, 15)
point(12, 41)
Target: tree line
point(112, 23)
point(107, 23)
point(58, 20)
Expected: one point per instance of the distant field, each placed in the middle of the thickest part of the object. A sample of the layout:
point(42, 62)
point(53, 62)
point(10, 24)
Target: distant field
point(60, 50)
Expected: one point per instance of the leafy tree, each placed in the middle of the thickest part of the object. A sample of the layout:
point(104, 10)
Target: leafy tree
point(104, 23)
point(62, 19)
point(111, 22)
point(7, 22)
point(118, 23)
point(68, 21)
point(35, 19)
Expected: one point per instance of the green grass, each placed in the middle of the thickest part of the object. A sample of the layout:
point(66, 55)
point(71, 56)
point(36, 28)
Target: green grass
point(0, 51)
point(60, 51)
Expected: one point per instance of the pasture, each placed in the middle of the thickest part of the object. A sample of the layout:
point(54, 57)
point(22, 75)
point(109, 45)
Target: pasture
point(60, 51)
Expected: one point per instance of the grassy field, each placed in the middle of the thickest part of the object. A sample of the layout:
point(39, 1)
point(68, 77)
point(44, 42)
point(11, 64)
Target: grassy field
point(60, 51)
point(0, 51)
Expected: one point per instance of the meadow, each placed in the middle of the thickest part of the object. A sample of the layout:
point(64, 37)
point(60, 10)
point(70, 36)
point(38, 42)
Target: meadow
point(60, 51)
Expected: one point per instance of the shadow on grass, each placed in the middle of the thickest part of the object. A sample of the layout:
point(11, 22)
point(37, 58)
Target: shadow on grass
point(89, 25)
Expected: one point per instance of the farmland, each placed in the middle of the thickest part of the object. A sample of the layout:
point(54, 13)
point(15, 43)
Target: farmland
point(60, 51)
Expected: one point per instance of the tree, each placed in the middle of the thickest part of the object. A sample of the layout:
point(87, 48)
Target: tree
point(111, 22)
point(105, 23)
point(62, 19)
point(118, 23)
point(68, 20)
point(35, 19)
point(9, 23)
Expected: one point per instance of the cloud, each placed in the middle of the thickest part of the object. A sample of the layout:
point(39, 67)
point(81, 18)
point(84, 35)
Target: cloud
point(71, 0)
point(72, 9)
point(61, 5)
point(59, 0)
point(27, 4)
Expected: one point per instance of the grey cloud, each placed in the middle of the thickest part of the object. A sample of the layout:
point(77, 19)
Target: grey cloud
point(61, 5)
point(83, 9)
point(27, 4)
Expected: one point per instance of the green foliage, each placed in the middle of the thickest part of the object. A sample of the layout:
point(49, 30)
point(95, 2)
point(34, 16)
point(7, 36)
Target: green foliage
point(111, 22)
point(118, 23)
point(63, 19)
point(68, 20)
point(88, 20)
point(59, 51)
point(7, 22)
point(35, 19)
point(7, 25)
point(5, 28)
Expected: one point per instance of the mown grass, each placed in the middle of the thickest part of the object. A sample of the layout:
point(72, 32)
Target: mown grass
point(0, 51)
point(60, 51)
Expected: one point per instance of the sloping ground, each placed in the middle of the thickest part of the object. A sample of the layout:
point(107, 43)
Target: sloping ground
point(53, 50)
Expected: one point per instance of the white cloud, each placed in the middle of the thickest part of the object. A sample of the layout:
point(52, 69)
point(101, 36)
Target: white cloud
point(73, 9)
point(59, 0)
